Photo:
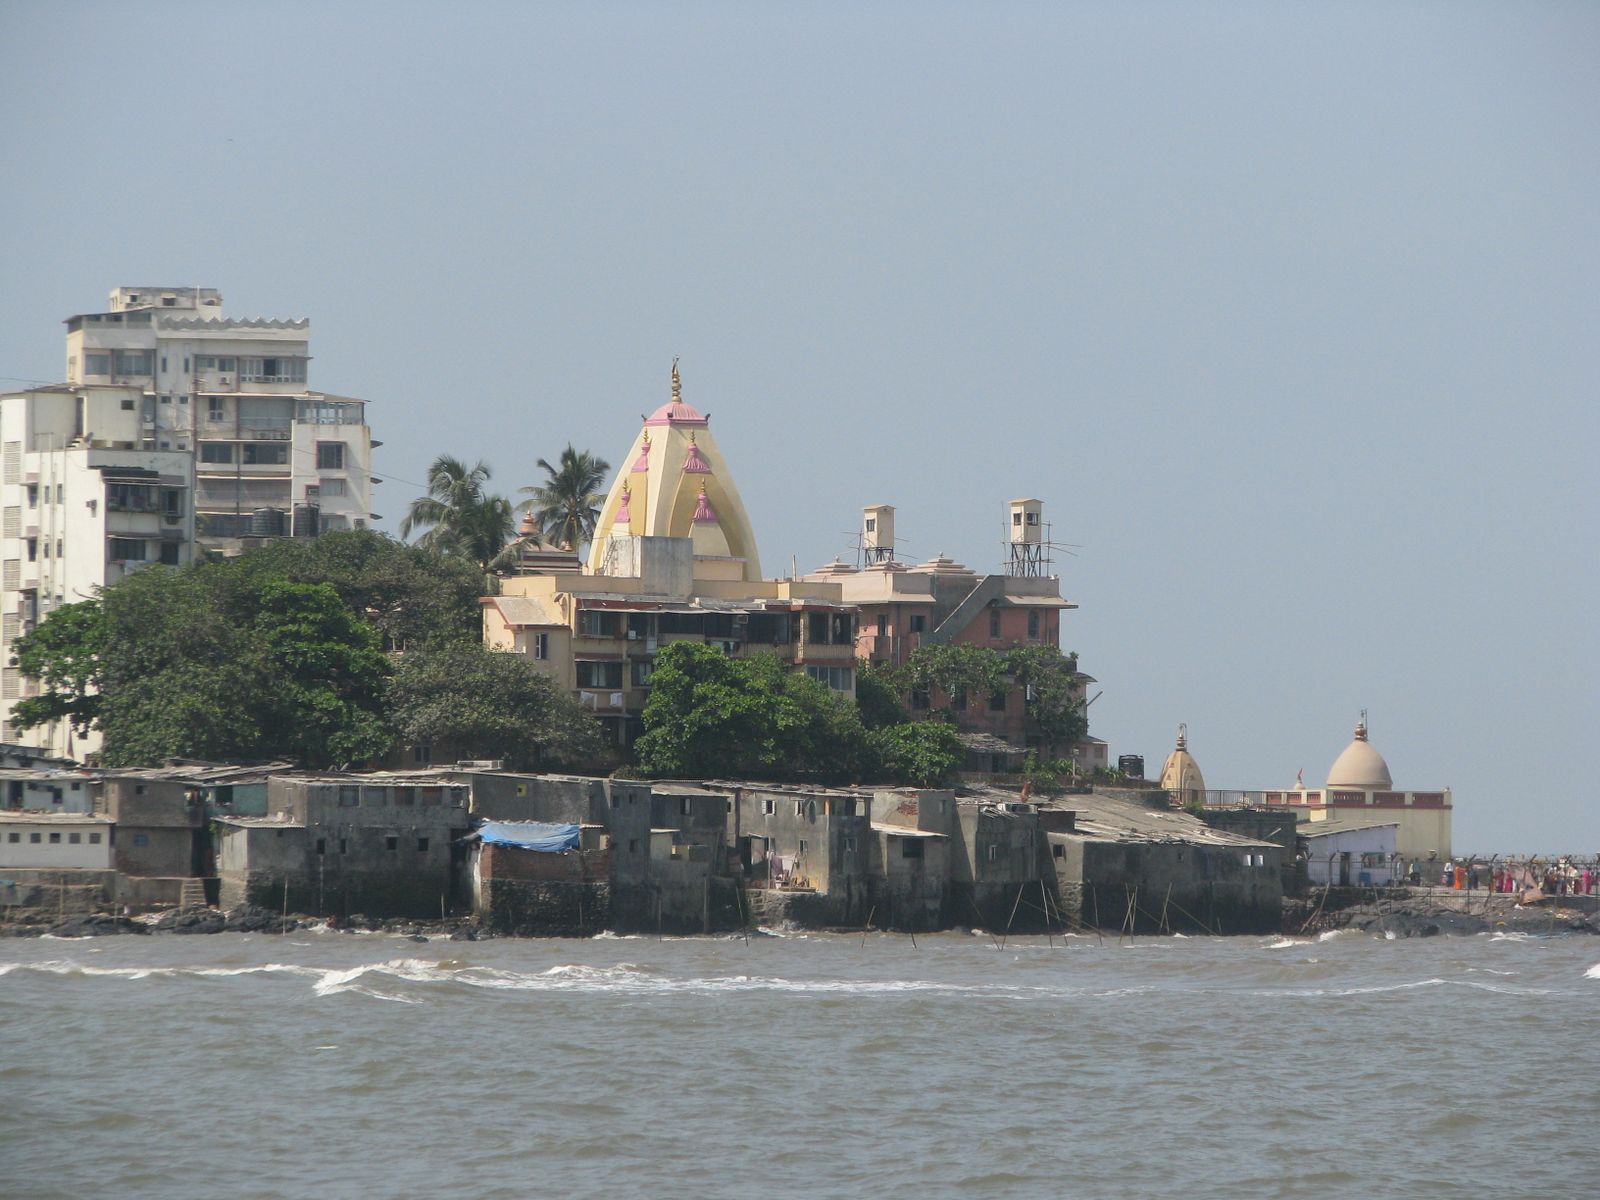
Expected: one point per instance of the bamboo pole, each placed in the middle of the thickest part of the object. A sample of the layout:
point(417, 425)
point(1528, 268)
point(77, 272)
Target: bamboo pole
point(872, 912)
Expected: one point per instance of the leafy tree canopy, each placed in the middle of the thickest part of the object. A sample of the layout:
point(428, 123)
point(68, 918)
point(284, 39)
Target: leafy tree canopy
point(489, 705)
point(713, 716)
point(924, 753)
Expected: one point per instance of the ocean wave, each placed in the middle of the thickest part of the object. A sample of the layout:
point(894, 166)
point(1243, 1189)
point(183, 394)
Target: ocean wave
point(1593, 972)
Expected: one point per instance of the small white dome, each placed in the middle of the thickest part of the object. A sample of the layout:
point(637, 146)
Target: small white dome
point(1360, 766)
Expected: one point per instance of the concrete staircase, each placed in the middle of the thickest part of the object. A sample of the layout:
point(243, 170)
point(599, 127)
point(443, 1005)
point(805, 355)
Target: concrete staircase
point(192, 893)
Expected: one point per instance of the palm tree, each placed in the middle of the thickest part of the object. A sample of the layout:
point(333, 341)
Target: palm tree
point(566, 506)
point(458, 515)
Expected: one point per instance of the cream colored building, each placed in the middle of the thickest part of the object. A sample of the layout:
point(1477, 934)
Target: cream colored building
point(271, 456)
point(674, 559)
point(1360, 791)
point(84, 501)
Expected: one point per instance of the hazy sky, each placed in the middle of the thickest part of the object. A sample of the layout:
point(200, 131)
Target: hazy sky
point(1287, 312)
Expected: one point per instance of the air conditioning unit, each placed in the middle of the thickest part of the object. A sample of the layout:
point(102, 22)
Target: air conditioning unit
point(633, 635)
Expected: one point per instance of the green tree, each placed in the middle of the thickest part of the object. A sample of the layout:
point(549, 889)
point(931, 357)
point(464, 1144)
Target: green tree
point(64, 654)
point(410, 594)
point(459, 515)
point(1055, 702)
point(216, 660)
point(923, 753)
point(566, 505)
point(490, 705)
point(713, 716)
point(878, 691)
point(958, 669)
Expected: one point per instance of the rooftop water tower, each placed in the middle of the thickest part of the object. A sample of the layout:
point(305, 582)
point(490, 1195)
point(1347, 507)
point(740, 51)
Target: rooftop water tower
point(1027, 540)
point(877, 534)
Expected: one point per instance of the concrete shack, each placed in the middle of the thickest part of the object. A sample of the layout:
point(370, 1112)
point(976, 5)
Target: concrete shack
point(539, 879)
point(1125, 861)
point(997, 866)
point(669, 861)
point(910, 857)
point(38, 789)
point(380, 845)
point(162, 841)
point(802, 854)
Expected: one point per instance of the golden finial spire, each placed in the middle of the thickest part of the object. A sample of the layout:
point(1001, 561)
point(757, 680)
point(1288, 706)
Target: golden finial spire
point(677, 384)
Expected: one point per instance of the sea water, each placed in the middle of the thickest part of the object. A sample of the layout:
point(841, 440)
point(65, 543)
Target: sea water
point(323, 1064)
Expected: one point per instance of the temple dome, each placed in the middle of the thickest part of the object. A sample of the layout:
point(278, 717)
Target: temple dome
point(679, 486)
point(1360, 766)
point(1180, 774)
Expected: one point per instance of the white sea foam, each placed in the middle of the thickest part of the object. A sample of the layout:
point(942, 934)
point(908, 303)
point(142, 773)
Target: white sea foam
point(1285, 943)
point(1593, 972)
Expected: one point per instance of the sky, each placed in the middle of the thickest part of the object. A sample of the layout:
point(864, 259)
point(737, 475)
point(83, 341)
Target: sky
point(1287, 313)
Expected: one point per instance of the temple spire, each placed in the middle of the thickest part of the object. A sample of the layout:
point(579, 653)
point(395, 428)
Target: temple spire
point(677, 384)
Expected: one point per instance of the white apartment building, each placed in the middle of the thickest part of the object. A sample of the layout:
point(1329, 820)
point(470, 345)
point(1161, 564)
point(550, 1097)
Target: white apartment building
point(272, 458)
point(82, 503)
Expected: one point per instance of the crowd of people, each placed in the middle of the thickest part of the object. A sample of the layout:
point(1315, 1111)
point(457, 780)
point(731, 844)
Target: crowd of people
point(1551, 877)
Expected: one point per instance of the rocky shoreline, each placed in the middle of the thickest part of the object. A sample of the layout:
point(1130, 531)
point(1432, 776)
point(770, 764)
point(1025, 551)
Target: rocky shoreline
point(1406, 916)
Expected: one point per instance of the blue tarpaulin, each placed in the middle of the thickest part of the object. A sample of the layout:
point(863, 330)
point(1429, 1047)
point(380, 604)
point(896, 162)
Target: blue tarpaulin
point(530, 835)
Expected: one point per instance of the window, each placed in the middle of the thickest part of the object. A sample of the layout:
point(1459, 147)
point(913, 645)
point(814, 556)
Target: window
point(422, 845)
point(910, 848)
point(1033, 625)
point(126, 549)
point(169, 554)
point(344, 845)
point(97, 364)
point(599, 674)
point(994, 622)
point(768, 807)
point(817, 629)
point(422, 755)
point(633, 846)
point(331, 487)
point(993, 852)
point(803, 846)
point(872, 524)
point(133, 362)
point(541, 645)
point(840, 679)
point(684, 807)
point(322, 847)
point(432, 797)
point(997, 701)
point(55, 839)
point(282, 369)
point(330, 456)
point(13, 837)
point(1016, 518)
point(74, 838)
point(94, 839)
point(642, 670)
point(130, 497)
point(33, 495)
point(264, 454)
point(34, 839)
point(127, 405)
point(920, 700)
point(216, 452)
point(391, 842)
point(211, 362)
point(141, 839)
point(918, 623)
point(1058, 851)
point(349, 797)
point(592, 623)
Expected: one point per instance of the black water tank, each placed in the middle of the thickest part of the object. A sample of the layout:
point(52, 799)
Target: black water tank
point(307, 520)
point(266, 522)
point(1131, 765)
